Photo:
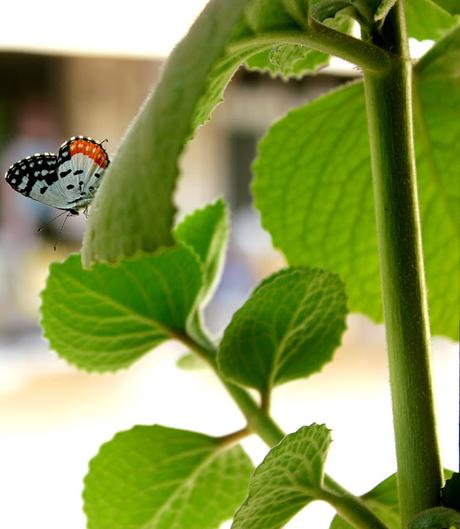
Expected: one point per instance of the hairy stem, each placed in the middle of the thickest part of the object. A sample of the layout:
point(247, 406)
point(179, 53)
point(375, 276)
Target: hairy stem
point(321, 38)
point(389, 107)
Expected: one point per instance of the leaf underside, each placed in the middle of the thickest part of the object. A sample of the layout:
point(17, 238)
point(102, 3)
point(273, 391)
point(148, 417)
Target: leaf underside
point(106, 318)
point(157, 478)
point(288, 479)
point(316, 199)
point(289, 328)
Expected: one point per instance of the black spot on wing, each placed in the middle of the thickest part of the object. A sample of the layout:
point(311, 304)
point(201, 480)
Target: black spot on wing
point(63, 174)
point(37, 169)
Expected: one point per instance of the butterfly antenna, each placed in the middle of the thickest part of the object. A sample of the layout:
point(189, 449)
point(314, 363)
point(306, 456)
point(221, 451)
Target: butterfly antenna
point(62, 227)
point(103, 141)
point(52, 220)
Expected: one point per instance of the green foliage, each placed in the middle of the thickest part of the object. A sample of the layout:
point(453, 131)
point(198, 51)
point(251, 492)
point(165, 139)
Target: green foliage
point(289, 478)
point(314, 190)
point(427, 21)
point(288, 328)
point(451, 6)
point(382, 500)
point(158, 477)
point(133, 209)
point(317, 201)
point(205, 232)
point(287, 60)
point(106, 318)
point(436, 518)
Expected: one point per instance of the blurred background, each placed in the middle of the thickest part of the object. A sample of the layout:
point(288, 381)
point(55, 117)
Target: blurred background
point(69, 72)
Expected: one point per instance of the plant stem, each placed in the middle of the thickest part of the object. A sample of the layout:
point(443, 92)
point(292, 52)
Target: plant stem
point(259, 421)
point(389, 108)
point(352, 509)
point(321, 38)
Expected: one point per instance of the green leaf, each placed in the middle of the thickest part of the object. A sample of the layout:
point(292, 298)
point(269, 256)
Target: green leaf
point(133, 209)
point(288, 60)
point(383, 501)
point(436, 518)
point(158, 478)
point(106, 318)
point(313, 188)
point(289, 328)
point(191, 362)
point(289, 478)
point(206, 232)
point(426, 20)
point(451, 6)
point(442, 62)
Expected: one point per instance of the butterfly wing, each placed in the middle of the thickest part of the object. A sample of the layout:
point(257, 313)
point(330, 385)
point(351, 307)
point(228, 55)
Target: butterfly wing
point(81, 164)
point(36, 177)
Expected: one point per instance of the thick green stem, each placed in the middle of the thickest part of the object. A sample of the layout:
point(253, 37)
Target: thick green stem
point(389, 107)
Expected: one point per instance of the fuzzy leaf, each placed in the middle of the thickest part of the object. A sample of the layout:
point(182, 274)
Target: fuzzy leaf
point(288, 60)
point(313, 188)
point(108, 317)
point(158, 478)
point(289, 328)
point(289, 478)
point(133, 209)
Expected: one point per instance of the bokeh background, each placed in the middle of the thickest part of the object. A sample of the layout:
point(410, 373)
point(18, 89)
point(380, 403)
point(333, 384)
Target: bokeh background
point(69, 71)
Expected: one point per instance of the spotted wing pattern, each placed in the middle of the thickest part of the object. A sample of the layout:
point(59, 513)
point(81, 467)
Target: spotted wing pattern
point(36, 177)
point(67, 181)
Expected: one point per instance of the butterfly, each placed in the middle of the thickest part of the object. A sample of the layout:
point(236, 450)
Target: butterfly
point(68, 180)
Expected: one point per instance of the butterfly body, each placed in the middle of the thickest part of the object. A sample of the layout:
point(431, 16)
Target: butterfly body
point(68, 180)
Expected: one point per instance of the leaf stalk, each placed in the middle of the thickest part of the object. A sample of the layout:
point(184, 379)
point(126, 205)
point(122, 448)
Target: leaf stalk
point(259, 422)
